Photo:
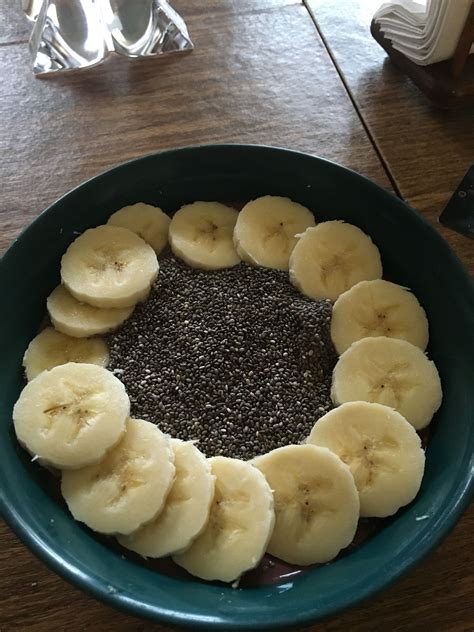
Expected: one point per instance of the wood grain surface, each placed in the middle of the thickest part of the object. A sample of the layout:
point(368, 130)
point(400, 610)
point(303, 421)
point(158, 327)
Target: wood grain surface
point(237, 86)
point(436, 596)
point(261, 73)
point(426, 150)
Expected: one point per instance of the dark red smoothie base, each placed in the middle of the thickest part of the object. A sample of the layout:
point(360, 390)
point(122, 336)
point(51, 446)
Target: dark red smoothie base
point(270, 570)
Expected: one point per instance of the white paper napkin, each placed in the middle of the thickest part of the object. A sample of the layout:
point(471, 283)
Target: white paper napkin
point(425, 32)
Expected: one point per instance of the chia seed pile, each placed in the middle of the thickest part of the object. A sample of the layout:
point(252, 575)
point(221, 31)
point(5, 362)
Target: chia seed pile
point(237, 359)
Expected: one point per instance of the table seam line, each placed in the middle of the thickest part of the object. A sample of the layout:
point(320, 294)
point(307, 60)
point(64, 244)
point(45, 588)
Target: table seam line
point(351, 96)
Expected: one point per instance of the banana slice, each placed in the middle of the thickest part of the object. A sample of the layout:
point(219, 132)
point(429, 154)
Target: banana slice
point(201, 235)
point(382, 451)
point(266, 229)
point(51, 348)
point(186, 510)
point(109, 266)
point(128, 487)
point(390, 372)
point(239, 527)
point(81, 320)
point(378, 308)
point(71, 415)
point(331, 258)
point(148, 222)
point(316, 503)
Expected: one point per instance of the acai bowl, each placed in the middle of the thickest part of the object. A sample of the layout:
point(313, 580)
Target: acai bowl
point(234, 175)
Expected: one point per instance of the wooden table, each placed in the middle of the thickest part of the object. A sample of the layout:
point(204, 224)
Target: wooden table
point(282, 72)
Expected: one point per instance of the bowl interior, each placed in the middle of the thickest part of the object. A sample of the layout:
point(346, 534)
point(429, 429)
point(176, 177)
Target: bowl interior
point(412, 254)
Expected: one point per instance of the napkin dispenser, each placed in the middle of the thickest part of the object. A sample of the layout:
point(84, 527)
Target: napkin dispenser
point(431, 42)
point(426, 33)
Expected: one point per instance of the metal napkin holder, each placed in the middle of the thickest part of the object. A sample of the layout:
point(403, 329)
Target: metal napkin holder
point(78, 34)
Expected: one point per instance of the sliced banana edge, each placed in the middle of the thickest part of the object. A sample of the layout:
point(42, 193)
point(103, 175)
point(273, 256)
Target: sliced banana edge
point(267, 228)
point(71, 415)
point(239, 527)
point(316, 503)
point(378, 308)
point(52, 348)
point(147, 221)
point(392, 372)
point(81, 320)
point(201, 235)
point(186, 510)
point(110, 267)
point(382, 451)
point(128, 487)
point(332, 257)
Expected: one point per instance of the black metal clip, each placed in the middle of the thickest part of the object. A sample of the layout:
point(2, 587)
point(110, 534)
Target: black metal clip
point(459, 212)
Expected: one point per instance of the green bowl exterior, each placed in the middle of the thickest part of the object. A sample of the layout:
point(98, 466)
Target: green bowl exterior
point(413, 255)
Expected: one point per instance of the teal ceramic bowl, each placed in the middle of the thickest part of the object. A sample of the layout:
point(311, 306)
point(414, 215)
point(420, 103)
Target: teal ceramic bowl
point(413, 255)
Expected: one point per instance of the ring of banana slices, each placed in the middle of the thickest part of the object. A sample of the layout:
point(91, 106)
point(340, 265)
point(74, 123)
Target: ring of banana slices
point(161, 496)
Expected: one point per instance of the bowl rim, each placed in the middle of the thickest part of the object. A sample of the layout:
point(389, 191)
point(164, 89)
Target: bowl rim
point(440, 528)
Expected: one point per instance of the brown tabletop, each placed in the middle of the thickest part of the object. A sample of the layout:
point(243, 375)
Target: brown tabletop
point(263, 71)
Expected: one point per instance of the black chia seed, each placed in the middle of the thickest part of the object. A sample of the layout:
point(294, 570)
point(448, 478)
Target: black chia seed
point(236, 359)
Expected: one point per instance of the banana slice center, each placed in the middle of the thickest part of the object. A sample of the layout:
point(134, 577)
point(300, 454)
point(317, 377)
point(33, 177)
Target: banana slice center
point(76, 412)
point(224, 522)
point(208, 232)
point(126, 482)
point(313, 501)
point(108, 261)
point(276, 234)
point(335, 268)
point(391, 387)
point(372, 458)
point(121, 479)
point(381, 322)
point(309, 502)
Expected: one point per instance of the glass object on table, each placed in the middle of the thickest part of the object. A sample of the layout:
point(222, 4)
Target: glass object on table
point(76, 34)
